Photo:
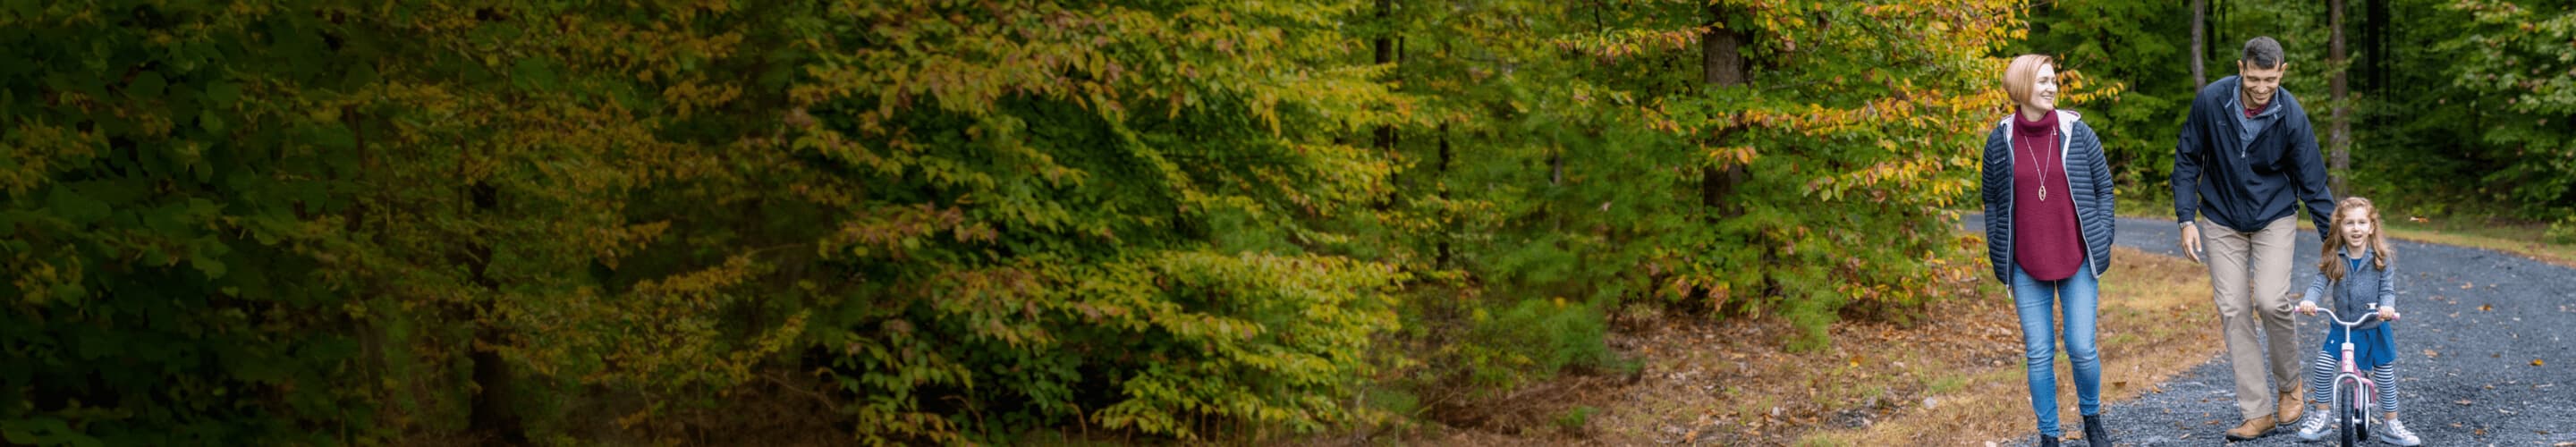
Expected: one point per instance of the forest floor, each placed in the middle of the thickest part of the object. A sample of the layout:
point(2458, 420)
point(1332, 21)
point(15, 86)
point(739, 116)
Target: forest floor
point(1953, 378)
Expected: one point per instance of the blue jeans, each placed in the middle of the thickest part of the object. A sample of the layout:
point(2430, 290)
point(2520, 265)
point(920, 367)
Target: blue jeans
point(2080, 295)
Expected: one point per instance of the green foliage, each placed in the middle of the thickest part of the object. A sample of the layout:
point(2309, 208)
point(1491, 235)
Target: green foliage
point(2563, 231)
point(1547, 334)
point(170, 236)
point(1395, 402)
point(1086, 201)
point(940, 222)
point(2417, 135)
point(1574, 419)
point(2131, 78)
point(2517, 52)
point(2485, 100)
point(1850, 153)
point(1570, 145)
point(290, 222)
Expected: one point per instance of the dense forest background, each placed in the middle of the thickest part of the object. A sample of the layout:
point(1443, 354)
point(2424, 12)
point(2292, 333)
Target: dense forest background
point(909, 221)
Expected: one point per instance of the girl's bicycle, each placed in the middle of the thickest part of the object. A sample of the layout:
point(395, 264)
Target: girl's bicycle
point(2354, 394)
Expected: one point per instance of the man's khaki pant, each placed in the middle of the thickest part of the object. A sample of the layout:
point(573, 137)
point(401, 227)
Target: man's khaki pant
point(2264, 258)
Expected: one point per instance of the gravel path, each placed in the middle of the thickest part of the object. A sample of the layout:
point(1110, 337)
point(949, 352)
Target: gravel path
point(2476, 323)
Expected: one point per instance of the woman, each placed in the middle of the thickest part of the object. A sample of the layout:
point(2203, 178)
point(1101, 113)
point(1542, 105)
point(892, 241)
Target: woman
point(2048, 234)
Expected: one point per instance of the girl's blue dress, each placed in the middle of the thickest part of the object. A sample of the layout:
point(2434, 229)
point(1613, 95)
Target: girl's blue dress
point(2372, 347)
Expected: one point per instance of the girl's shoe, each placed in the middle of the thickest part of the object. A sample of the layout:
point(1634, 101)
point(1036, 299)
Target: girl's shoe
point(2396, 433)
point(2316, 425)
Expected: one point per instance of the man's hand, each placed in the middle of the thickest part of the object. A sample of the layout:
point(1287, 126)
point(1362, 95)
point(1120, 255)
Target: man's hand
point(2191, 241)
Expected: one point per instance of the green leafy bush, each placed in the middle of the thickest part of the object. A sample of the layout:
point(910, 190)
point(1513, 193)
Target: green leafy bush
point(1553, 334)
point(2563, 231)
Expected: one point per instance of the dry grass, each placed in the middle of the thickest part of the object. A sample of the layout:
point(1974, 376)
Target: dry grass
point(1954, 379)
point(2155, 322)
point(2526, 245)
point(2520, 238)
point(2525, 240)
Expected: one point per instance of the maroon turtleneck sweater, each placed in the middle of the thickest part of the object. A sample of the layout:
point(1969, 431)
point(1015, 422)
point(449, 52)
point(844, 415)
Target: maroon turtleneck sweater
point(2046, 241)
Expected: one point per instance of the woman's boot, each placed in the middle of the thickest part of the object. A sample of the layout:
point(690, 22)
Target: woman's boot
point(2094, 433)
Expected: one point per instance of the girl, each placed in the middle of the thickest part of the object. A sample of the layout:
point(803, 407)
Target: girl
point(2355, 264)
point(2048, 234)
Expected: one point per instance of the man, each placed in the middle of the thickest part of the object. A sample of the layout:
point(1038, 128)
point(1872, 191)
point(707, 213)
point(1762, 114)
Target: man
point(2247, 160)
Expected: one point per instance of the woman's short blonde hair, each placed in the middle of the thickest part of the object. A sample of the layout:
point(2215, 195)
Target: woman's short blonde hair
point(2022, 76)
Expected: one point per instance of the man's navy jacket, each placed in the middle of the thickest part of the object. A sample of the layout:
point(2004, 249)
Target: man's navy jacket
point(2245, 185)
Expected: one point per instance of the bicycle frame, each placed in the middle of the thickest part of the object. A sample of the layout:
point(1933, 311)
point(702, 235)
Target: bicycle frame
point(2362, 393)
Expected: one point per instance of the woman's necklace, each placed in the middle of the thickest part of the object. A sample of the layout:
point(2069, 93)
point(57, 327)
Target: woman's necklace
point(2042, 168)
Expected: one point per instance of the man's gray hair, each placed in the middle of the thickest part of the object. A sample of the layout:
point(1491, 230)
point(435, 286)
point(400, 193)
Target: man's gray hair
point(2262, 52)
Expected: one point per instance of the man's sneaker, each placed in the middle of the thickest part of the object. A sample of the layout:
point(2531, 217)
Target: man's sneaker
point(2316, 425)
point(2396, 433)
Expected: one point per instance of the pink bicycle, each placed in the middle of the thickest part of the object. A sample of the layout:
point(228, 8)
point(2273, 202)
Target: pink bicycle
point(2353, 393)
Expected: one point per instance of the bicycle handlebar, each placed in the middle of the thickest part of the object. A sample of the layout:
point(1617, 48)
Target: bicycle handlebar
point(2365, 318)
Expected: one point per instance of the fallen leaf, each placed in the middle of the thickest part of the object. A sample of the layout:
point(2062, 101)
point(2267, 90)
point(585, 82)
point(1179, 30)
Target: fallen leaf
point(2461, 401)
point(2486, 307)
point(2430, 353)
point(2466, 285)
point(2535, 362)
point(2480, 432)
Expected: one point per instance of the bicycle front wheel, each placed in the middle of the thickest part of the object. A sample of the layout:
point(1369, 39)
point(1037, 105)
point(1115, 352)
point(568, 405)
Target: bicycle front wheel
point(2348, 417)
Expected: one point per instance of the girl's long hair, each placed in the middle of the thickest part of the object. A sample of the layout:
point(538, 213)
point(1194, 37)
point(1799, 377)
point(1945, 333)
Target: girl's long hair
point(2330, 263)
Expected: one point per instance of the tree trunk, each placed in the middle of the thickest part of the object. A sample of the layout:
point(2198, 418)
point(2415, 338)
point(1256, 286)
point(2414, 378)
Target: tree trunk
point(2199, 16)
point(1721, 65)
point(1385, 46)
point(2227, 50)
point(1440, 253)
point(2339, 136)
point(2374, 48)
point(492, 418)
